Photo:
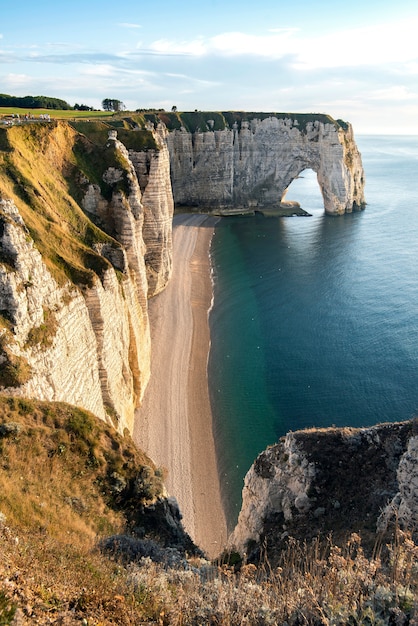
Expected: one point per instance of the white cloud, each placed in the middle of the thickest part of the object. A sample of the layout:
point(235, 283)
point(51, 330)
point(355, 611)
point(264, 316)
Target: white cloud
point(288, 29)
point(99, 70)
point(129, 25)
point(407, 69)
point(106, 70)
point(17, 80)
point(367, 46)
point(371, 45)
point(191, 79)
point(272, 46)
point(230, 44)
point(174, 75)
point(398, 93)
point(196, 47)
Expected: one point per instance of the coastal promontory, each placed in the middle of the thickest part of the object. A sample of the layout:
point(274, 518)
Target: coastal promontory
point(86, 232)
point(86, 260)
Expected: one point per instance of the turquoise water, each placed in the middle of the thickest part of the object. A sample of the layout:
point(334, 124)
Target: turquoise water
point(315, 319)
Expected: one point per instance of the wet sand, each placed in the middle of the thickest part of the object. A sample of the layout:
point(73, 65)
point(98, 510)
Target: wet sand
point(174, 423)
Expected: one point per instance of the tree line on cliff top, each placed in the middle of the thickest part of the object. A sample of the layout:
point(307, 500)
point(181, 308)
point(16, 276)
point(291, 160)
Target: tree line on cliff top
point(45, 102)
point(40, 102)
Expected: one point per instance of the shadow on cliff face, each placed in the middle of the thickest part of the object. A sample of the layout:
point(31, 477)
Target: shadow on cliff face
point(97, 481)
point(355, 481)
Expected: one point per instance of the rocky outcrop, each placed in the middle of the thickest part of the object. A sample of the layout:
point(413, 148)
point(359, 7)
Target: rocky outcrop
point(321, 481)
point(153, 171)
point(404, 506)
point(250, 165)
point(153, 206)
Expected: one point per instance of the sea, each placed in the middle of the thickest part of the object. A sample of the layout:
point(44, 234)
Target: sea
point(315, 319)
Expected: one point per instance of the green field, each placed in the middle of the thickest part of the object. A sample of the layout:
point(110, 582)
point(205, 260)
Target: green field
point(56, 113)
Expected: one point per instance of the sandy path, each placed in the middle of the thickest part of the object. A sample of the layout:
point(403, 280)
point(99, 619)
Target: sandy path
point(174, 423)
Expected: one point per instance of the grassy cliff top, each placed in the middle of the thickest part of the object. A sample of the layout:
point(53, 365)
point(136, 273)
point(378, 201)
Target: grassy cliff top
point(45, 168)
point(216, 120)
point(174, 120)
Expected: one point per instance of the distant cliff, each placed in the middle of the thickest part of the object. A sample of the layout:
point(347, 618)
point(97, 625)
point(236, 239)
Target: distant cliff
point(246, 162)
point(336, 480)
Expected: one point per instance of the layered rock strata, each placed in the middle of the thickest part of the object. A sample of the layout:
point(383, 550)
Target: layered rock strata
point(151, 199)
point(71, 345)
point(321, 481)
point(250, 166)
point(152, 168)
point(88, 343)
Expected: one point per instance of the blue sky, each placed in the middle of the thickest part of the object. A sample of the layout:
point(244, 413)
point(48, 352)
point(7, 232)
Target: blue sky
point(354, 60)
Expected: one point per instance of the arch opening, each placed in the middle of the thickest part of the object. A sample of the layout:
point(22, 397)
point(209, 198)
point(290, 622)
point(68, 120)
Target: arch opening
point(305, 190)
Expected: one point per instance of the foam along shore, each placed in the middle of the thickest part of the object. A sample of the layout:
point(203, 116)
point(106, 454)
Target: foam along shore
point(174, 423)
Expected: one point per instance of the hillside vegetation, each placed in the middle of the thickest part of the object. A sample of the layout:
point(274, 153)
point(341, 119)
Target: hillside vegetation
point(45, 169)
point(7, 100)
point(84, 538)
point(192, 121)
point(67, 480)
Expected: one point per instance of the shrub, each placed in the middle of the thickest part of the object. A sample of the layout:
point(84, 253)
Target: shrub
point(43, 335)
point(7, 609)
point(15, 371)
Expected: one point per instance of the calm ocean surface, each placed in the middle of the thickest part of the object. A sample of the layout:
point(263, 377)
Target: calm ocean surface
point(315, 319)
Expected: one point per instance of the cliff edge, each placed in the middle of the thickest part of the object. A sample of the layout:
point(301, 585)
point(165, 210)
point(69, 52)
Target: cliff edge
point(235, 162)
point(337, 481)
point(86, 232)
point(83, 247)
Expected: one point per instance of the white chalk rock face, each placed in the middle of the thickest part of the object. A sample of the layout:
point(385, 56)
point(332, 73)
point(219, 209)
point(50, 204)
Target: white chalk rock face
point(277, 482)
point(89, 345)
point(86, 347)
point(408, 486)
point(152, 168)
point(63, 364)
point(251, 167)
point(332, 480)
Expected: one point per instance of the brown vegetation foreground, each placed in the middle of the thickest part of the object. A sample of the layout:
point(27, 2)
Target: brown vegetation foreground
point(61, 478)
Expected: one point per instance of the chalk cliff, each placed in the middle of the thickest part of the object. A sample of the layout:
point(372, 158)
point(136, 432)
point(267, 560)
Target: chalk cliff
point(74, 283)
point(85, 239)
point(320, 481)
point(249, 163)
point(85, 231)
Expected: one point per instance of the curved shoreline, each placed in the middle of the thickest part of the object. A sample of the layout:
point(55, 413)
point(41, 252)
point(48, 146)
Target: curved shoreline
point(174, 423)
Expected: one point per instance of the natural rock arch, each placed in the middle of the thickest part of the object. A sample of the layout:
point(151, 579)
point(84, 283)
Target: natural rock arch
point(250, 166)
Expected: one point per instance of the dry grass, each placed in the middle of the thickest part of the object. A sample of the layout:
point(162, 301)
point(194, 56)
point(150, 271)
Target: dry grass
point(49, 582)
point(46, 169)
point(38, 169)
point(315, 585)
point(60, 475)
point(57, 465)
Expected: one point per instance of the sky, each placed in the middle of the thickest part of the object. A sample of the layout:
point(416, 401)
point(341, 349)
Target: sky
point(356, 61)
